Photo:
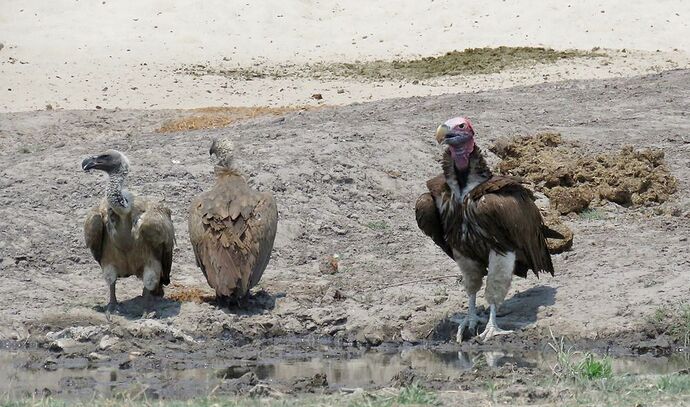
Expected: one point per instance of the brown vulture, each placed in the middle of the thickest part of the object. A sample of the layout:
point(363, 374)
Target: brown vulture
point(488, 224)
point(128, 235)
point(232, 229)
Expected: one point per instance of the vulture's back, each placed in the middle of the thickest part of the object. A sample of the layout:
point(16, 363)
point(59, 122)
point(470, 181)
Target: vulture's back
point(232, 229)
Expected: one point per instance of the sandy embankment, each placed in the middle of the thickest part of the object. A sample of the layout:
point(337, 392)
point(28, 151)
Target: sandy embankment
point(79, 55)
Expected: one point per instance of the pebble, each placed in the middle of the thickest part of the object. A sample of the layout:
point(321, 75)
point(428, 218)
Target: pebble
point(107, 342)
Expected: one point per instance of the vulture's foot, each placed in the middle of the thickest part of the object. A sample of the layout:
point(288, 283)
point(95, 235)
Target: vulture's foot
point(491, 331)
point(492, 328)
point(468, 323)
point(112, 308)
point(149, 309)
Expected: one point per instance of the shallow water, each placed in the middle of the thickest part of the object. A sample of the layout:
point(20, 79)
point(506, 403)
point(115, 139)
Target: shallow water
point(77, 378)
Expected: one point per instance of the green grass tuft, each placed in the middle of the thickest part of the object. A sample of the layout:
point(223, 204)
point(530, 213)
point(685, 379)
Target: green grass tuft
point(591, 368)
point(378, 225)
point(411, 395)
point(592, 214)
point(418, 395)
point(674, 321)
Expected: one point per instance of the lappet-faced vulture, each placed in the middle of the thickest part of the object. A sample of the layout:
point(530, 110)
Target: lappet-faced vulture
point(232, 229)
point(488, 224)
point(127, 234)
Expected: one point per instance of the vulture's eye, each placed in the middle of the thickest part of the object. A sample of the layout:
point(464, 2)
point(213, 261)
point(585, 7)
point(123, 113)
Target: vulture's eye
point(462, 125)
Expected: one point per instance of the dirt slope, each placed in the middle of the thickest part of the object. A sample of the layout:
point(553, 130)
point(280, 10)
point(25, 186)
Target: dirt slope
point(346, 180)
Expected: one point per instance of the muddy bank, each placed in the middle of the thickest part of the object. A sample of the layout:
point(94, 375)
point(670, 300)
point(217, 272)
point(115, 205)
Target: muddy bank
point(160, 369)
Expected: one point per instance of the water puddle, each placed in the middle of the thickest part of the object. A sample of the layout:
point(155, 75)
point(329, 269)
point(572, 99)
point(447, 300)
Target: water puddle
point(79, 378)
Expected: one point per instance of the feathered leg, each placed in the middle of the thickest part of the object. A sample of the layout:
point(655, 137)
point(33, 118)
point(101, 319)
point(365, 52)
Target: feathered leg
point(497, 285)
point(472, 280)
point(110, 276)
point(151, 277)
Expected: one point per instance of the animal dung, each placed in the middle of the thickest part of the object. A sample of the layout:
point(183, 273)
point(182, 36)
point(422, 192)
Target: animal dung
point(573, 180)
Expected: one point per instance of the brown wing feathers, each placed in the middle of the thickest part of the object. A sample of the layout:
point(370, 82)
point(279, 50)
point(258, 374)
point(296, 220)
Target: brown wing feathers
point(501, 215)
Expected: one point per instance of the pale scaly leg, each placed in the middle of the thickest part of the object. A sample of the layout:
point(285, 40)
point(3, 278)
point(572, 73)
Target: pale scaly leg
point(472, 280)
point(471, 319)
point(110, 276)
point(497, 285)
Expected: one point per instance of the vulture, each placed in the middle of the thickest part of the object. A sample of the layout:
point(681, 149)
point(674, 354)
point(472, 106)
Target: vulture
point(128, 235)
point(232, 229)
point(488, 224)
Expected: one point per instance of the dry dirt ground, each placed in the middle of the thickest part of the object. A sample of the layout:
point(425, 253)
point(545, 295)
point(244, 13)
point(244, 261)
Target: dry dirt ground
point(346, 179)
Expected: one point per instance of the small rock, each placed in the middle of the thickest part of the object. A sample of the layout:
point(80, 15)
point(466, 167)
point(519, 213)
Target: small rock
point(341, 91)
point(317, 96)
point(338, 230)
point(310, 384)
point(107, 342)
point(262, 390)
point(333, 294)
point(372, 336)
point(97, 357)
point(49, 107)
point(50, 365)
point(329, 264)
point(62, 344)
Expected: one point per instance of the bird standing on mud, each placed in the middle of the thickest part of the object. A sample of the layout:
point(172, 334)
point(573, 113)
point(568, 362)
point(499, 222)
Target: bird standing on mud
point(488, 224)
point(232, 229)
point(128, 235)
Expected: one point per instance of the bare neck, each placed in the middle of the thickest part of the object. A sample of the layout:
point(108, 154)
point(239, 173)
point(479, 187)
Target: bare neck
point(461, 181)
point(116, 196)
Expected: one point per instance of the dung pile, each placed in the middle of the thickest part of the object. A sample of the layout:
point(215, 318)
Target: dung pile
point(572, 181)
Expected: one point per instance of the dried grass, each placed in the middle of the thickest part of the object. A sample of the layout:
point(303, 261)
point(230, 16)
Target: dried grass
point(218, 117)
point(190, 294)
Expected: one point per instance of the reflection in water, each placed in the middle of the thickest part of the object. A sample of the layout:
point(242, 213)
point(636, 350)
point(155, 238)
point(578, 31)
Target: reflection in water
point(366, 369)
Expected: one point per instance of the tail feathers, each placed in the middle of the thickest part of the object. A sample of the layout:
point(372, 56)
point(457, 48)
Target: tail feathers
point(550, 233)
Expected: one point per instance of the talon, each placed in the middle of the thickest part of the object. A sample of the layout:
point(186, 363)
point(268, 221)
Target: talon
point(491, 331)
point(469, 322)
point(111, 308)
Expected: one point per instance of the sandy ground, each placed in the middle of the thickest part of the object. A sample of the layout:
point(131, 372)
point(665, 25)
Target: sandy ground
point(345, 177)
point(79, 55)
point(334, 200)
point(346, 180)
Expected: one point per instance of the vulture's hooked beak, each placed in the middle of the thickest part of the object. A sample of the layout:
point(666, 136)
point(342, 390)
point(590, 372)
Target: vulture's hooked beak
point(95, 163)
point(445, 136)
point(89, 163)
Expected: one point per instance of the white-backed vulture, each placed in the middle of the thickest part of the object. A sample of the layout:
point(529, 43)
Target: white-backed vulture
point(488, 224)
point(232, 229)
point(128, 235)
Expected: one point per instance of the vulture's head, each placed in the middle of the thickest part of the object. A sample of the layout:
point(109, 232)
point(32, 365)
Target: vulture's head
point(112, 162)
point(458, 135)
point(223, 150)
